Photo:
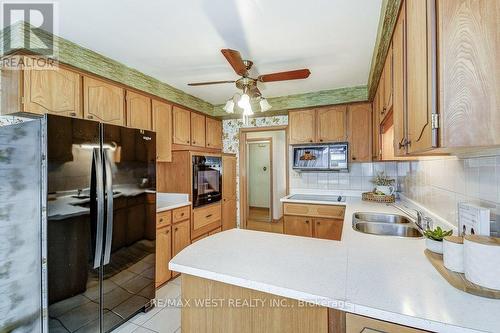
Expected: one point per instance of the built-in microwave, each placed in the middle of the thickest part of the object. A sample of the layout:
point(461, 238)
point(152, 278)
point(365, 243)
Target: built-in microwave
point(327, 157)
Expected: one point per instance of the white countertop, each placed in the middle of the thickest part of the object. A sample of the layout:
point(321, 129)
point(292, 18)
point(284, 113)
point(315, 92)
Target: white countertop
point(383, 277)
point(168, 201)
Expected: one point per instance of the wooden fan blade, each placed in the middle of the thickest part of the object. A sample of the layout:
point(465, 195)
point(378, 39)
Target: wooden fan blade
point(234, 59)
point(284, 76)
point(208, 83)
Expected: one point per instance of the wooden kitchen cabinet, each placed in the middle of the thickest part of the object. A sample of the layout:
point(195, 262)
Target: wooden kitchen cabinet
point(139, 111)
point(327, 228)
point(181, 126)
point(163, 255)
point(38, 91)
point(228, 192)
point(302, 126)
point(399, 106)
point(331, 124)
point(214, 133)
point(162, 116)
point(420, 61)
point(298, 225)
point(206, 218)
point(197, 130)
point(357, 324)
point(103, 101)
point(388, 84)
point(180, 236)
point(360, 132)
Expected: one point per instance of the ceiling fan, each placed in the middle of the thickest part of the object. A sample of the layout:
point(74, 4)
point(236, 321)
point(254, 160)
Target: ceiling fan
point(248, 84)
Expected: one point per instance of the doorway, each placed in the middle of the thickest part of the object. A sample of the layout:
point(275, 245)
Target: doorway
point(260, 180)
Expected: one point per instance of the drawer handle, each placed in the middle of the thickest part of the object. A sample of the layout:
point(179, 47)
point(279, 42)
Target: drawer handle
point(176, 229)
point(182, 214)
point(187, 141)
point(161, 220)
point(208, 216)
point(194, 142)
point(73, 114)
point(307, 222)
point(90, 117)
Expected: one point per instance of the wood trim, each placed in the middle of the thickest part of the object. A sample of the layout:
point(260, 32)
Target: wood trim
point(178, 147)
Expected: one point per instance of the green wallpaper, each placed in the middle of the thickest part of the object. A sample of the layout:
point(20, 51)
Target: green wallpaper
point(388, 18)
point(88, 60)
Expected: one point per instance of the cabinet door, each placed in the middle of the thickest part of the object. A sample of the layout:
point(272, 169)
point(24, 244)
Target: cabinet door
point(398, 106)
point(162, 113)
point(139, 111)
point(103, 101)
point(469, 49)
point(229, 177)
point(197, 130)
point(228, 214)
point(52, 91)
point(331, 124)
point(298, 226)
point(328, 228)
point(181, 126)
point(359, 136)
point(388, 82)
point(419, 76)
point(180, 237)
point(163, 255)
point(214, 133)
point(302, 126)
point(376, 128)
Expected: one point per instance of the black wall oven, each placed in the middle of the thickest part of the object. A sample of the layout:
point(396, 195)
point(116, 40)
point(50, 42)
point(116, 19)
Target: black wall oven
point(207, 180)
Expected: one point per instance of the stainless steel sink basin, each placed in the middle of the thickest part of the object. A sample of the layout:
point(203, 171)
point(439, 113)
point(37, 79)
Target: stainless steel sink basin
point(385, 225)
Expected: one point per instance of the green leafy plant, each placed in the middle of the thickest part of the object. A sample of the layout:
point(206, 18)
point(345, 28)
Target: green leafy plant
point(437, 234)
point(382, 180)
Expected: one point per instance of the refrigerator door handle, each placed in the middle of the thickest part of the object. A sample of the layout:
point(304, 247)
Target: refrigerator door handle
point(98, 174)
point(108, 176)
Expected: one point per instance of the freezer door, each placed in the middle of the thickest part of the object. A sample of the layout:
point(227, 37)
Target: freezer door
point(75, 220)
point(129, 250)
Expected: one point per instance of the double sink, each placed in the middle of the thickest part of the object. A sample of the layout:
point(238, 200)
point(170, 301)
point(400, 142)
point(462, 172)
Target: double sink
point(385, 225)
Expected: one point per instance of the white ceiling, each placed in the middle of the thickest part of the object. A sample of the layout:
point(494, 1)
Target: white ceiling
point(179, 41)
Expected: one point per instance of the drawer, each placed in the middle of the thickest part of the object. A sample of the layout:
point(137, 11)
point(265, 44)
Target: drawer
point(163, 218)
point(180, 214)
point(327, 211)
point(206, 219)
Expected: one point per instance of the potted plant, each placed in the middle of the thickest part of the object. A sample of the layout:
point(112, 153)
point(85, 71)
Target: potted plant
point(434, 239)
point(383, 184)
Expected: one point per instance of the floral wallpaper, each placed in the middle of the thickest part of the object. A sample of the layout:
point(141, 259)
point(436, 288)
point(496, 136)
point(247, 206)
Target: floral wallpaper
point(231, 142)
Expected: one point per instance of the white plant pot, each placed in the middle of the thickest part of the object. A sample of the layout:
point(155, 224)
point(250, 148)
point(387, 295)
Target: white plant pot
point(387, 190)
point(434, 246)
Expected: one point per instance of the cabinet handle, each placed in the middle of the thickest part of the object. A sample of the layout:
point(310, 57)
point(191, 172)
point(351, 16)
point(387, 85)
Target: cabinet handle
point(187, 141)
point(208, 216)
point(307, 222)
point(161, 220)
point(182, 214)
point(354, 158)
point(176, 229)
point(320, 140)
point(194, 142)
point(167, 231)
point(310, 140)
point(208, 144)
point(90, 117)
point(73, 114)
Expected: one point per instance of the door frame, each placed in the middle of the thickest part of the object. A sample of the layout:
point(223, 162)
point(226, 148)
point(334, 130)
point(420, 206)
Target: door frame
point(242, 165)
point(266, 140)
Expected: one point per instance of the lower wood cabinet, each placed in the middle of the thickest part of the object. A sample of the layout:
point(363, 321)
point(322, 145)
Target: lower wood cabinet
point(228, 214)
point(318, 221)
point(163, 255)
point(180, 236)
point(360, 324)
point(205, 219)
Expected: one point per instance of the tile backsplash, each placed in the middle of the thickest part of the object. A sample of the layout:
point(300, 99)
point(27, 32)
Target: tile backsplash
point(440, 183)
point(358, 178)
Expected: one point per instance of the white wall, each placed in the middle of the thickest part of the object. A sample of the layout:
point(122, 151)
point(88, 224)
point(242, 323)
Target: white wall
point(279, 167)
point(259, 174)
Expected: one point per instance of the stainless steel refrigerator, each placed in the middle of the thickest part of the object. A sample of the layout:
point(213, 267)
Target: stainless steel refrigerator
point(97, 224)
point(100, 224)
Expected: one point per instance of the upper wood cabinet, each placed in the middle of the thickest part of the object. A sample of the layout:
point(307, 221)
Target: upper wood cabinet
point(420, 57)
point(302, 126)
point(103, 101)
point(399, 106)
point(376, 153)
point(139, 111)
point(331, 124)
point(54, 91)
point(181, 126)
point(214, 133)
point(229, 177)
point(197, 130)
point(469, 72)
point(359, 132)
point(388, 83)
point(162, 115)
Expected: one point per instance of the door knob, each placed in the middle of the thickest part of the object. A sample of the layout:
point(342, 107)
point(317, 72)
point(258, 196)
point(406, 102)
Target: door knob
point(264, 168)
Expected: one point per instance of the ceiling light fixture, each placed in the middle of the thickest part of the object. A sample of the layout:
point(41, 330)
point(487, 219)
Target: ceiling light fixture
point(229, 107)
point(264, 105)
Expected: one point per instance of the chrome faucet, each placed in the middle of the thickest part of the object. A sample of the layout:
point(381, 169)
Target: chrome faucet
point(419, 220)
